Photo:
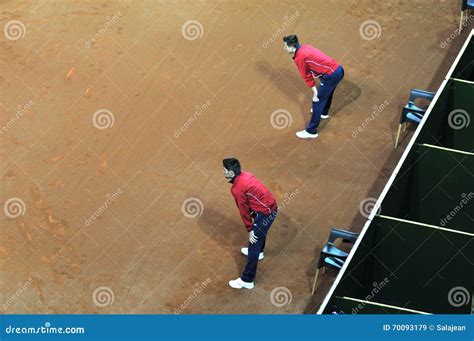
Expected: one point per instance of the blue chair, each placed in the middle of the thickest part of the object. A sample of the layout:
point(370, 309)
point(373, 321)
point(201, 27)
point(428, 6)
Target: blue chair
point(332, 257)
point(465, 5)
point(410, 112)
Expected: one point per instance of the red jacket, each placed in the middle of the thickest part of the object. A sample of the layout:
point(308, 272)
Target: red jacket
point(251, 196)
point(311, 62)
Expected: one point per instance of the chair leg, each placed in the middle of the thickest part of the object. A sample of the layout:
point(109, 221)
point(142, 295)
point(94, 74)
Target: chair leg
point(460, 21)
point(315, 281)
point(405, 127)
point(398, 135)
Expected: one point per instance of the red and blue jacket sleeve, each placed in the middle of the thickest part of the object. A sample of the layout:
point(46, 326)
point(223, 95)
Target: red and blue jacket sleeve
point(305, 71)
point(243, 205)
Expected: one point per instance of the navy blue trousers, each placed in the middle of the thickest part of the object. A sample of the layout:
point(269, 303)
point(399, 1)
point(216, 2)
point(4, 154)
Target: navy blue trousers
point(261, 225)
point(325, 92)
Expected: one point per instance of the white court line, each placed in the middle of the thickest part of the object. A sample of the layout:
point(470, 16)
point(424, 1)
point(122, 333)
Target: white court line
point(426, 225)
point(385, 305)
point(462, 80)
point(446, 149)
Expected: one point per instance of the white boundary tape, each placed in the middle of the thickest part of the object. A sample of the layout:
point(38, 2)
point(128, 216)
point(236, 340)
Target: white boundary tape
point(427, 225)
point(386, 306)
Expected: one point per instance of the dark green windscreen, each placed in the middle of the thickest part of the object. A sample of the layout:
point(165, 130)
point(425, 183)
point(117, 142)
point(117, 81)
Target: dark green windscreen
point(465, 67)
point(401, 267)
point(436, 187)
point(449, 124)
point(418, 252)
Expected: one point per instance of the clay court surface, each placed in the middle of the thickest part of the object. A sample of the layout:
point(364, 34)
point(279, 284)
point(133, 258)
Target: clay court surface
point(178, 106)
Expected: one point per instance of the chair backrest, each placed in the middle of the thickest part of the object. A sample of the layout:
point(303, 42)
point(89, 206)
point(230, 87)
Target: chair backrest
point(346, 236)
point(467, 4)
point(417, 93)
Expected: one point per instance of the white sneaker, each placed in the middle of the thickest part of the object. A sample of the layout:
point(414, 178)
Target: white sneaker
point(305, 135)
point(245, 251)
point(239, 284)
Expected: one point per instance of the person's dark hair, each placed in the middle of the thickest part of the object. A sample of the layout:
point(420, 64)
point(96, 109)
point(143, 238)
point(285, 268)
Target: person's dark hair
point(232, 164)
point(291, 40)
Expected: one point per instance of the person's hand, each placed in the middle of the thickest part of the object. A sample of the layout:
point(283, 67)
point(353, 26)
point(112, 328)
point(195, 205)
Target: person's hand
point(315, 94)
point(252, 237)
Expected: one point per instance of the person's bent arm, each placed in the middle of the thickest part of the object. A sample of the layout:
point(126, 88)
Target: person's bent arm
point(308, 78)
point(242, 203)
point(306, 73)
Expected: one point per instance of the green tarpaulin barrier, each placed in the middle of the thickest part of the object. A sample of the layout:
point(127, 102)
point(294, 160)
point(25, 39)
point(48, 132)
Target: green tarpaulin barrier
point(417, 254)
point(465, 67)
point(449, 124)
point(434, 186)
point(399, 265)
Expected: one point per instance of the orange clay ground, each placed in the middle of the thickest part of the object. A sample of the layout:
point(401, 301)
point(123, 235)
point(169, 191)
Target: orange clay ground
point(177, 101)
